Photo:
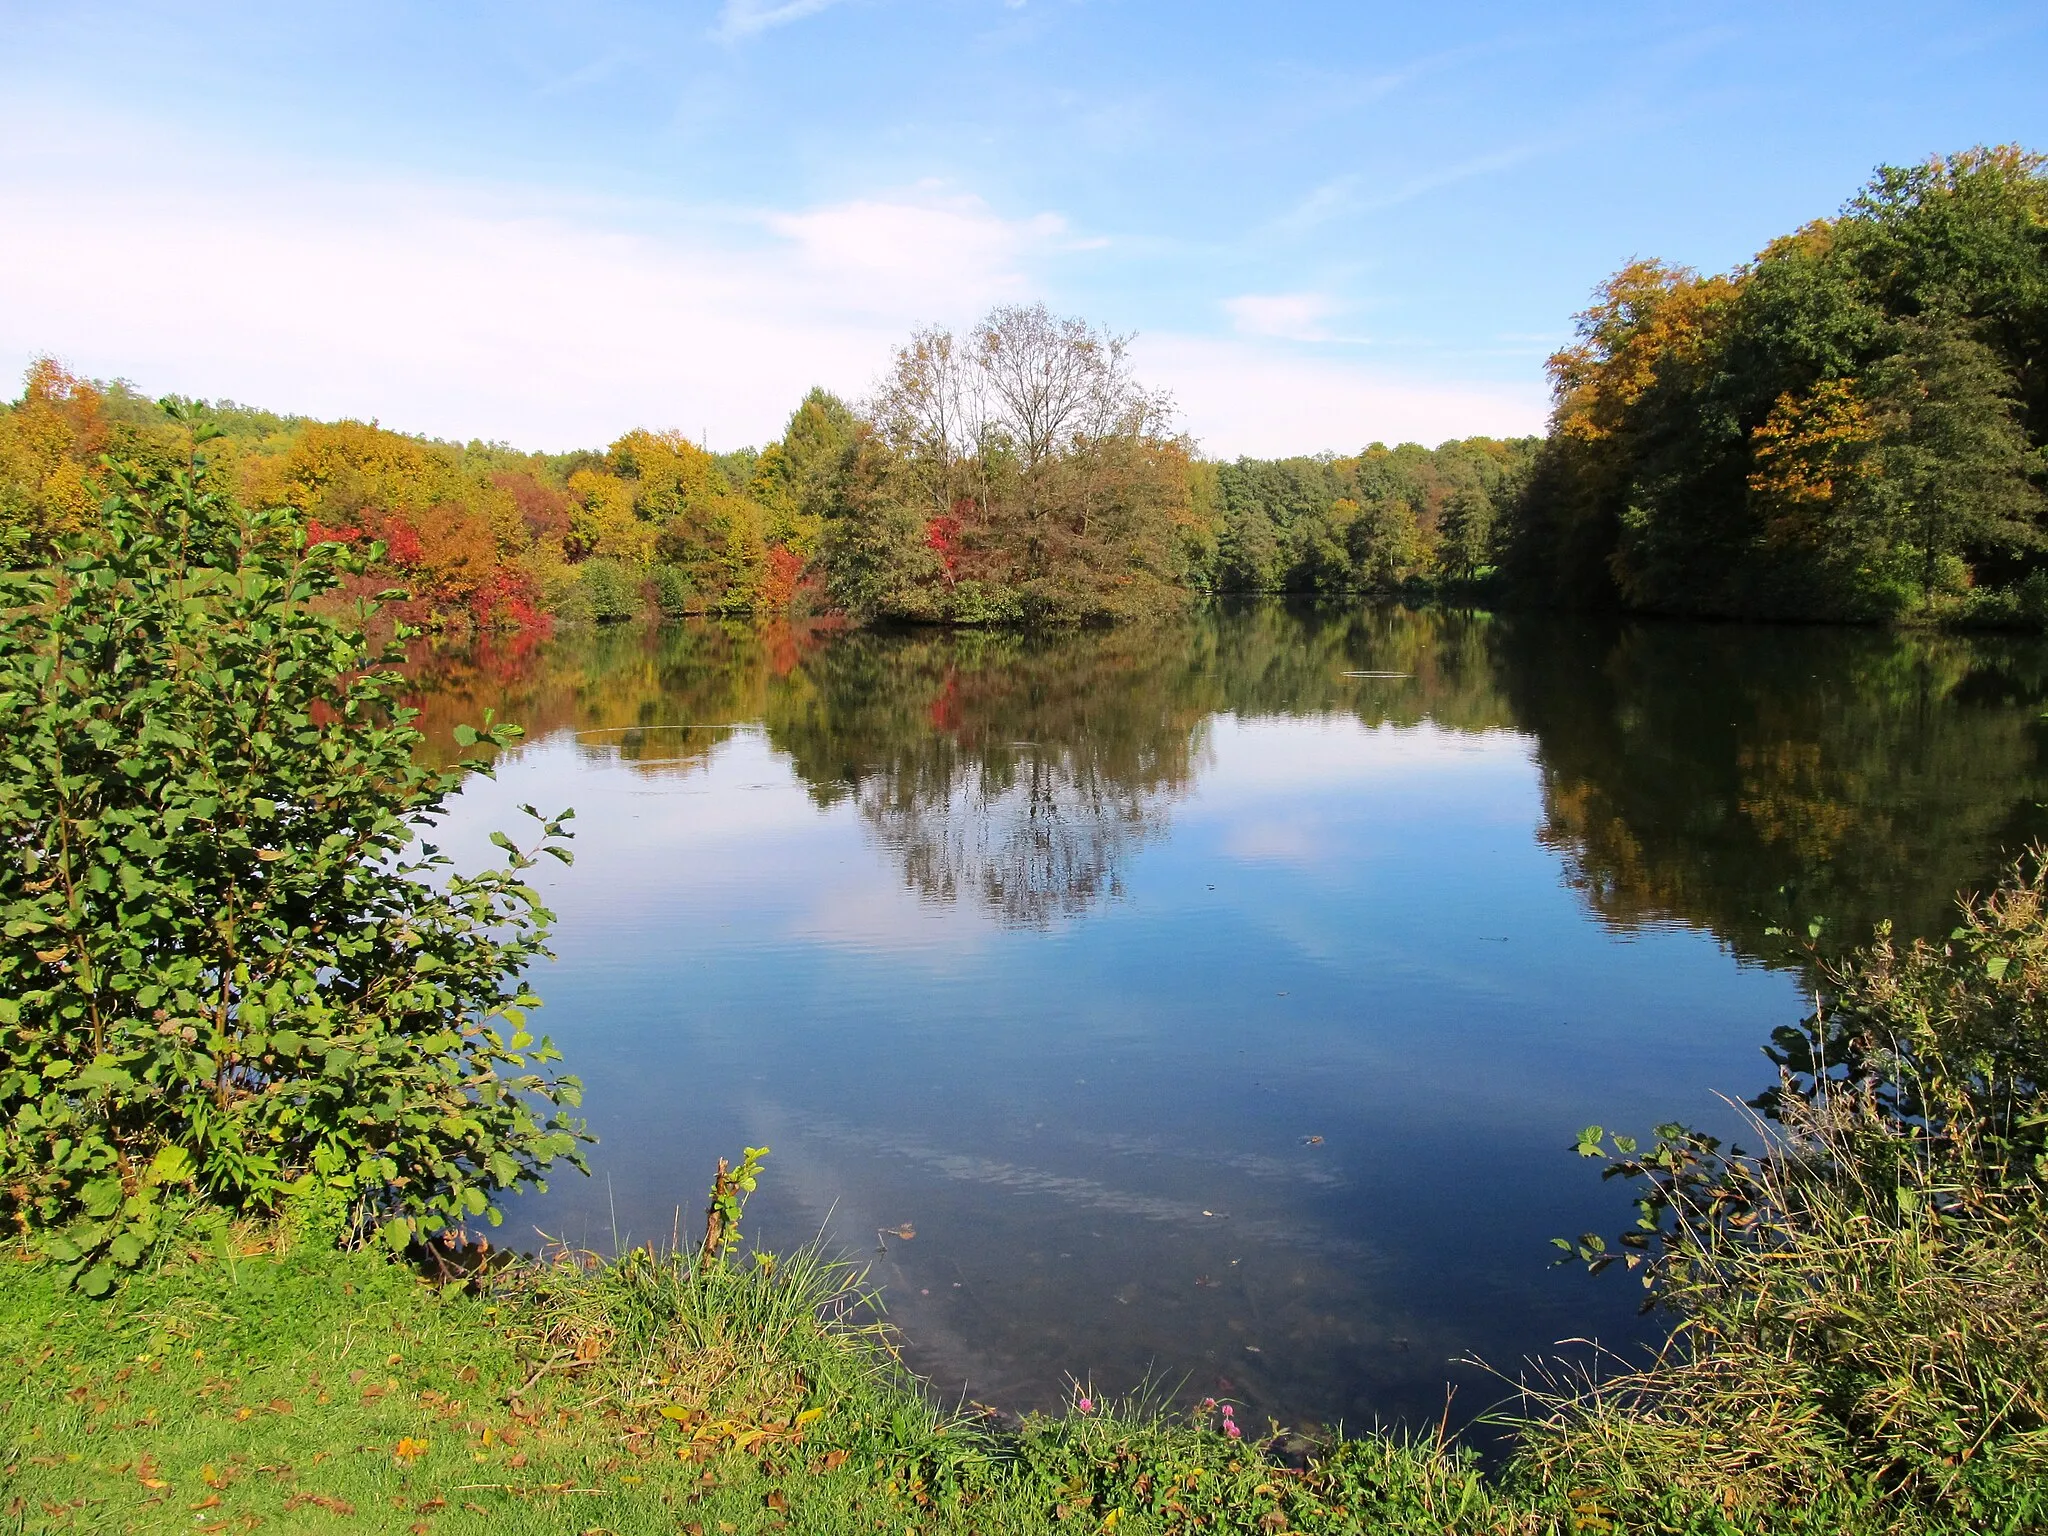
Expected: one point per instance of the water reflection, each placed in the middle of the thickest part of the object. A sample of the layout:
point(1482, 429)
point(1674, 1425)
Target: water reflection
point(1216, 999)
point(1692, 773)
point(1701, 775)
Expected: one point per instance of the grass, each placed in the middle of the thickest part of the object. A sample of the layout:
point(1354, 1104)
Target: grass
point(308, 1389)
point(282, 1384)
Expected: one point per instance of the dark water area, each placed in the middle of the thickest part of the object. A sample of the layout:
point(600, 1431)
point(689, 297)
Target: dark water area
point(1216, 1003)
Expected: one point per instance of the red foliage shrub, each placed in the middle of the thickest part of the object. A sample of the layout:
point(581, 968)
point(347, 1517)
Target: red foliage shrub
point(779, 582)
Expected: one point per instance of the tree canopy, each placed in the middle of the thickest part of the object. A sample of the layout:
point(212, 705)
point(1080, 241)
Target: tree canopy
point(1850, 426)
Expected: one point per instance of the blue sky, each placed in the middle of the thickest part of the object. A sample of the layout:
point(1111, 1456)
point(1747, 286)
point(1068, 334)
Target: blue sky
point(548, 223)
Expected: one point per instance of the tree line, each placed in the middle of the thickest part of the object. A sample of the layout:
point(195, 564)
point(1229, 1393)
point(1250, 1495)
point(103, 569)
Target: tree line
point(1018, 473)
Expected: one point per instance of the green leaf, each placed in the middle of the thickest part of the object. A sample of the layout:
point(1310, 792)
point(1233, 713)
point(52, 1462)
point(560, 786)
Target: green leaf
point(171, 1165)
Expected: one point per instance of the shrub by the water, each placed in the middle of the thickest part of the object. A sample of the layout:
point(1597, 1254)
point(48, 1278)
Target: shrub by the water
point(230, 972)
point(1863, 1305)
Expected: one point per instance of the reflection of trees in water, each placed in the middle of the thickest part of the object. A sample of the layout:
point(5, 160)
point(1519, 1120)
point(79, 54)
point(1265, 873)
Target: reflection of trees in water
point(1017, 773)
point(1688, 771)
point(659, 698)
point(1692, 771)
point(1048, 839)
point(1023, 772)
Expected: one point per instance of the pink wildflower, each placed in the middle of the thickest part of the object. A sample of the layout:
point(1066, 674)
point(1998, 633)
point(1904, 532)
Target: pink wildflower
point(1086, 1405)
point(1230, 1428)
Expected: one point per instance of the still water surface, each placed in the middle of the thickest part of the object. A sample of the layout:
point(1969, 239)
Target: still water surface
point(1215, 1003)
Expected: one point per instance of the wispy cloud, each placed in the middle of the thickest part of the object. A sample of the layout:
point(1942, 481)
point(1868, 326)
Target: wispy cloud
point(514, 313)
point(592, 73)
point(500, 312)
point(1288, 316)
point(744, 18)
point(1410, 188)
point(1322, 204)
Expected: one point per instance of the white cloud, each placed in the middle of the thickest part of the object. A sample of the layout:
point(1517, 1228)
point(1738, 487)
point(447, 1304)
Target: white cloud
point(946, 253)
point(499, 313)
point(1294, 316)
point(549, 321)
point(1268, 399)
point(744, 18)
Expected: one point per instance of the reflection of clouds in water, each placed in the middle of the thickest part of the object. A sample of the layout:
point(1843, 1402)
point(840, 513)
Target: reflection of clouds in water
point(846, 914)
point(1295, 840)
point(1252, 1164)
point(1086, 1194)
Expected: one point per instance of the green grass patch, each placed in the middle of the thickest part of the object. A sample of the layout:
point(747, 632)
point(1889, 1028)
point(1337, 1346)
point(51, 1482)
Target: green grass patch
point(291, 1387)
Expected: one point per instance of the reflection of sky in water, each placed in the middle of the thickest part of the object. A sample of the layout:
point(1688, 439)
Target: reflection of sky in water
point(1098, 1123)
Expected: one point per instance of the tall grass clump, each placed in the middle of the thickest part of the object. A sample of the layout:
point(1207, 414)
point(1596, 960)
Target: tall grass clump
point(1861, 1307)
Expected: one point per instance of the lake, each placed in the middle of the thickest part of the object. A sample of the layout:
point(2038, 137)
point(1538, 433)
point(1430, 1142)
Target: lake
point(1213, 1006)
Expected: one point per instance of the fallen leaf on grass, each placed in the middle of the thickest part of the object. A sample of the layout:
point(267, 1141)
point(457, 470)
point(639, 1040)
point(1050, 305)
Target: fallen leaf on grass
point(333, 1506)
point(211, 1501)
point(777, 1501)
point(407, 1448)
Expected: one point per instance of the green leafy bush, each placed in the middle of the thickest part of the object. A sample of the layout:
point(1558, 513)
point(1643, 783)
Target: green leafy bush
point(610, 590)
point(228, 969)
point(673, 598)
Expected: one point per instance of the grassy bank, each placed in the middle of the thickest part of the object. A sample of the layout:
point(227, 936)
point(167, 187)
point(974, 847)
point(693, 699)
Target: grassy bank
point(281, 1383)
point(312, 1389)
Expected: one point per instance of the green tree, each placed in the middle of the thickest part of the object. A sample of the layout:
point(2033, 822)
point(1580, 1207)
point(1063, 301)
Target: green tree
point(228, 964)
point(1956, 457)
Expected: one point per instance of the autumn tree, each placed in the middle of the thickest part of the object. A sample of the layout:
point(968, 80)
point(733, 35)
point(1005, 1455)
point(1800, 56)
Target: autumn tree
point(49, 440)
point(1048, 480)
point(1849, 426)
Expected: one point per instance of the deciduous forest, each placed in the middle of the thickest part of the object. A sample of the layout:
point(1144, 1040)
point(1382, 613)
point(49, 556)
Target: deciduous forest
point(1848, 427)
point(1018, 474)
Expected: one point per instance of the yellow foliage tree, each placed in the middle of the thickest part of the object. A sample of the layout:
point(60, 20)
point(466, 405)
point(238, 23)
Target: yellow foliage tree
point(1814, 457)
point(48, 441)
point(604, 521)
